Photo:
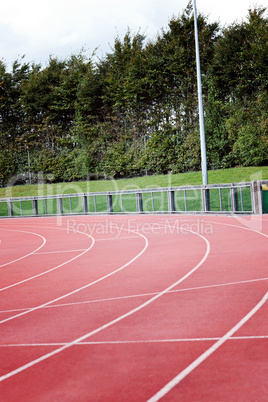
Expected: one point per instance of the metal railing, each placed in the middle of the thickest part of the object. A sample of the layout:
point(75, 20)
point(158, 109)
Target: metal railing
point(224, 198)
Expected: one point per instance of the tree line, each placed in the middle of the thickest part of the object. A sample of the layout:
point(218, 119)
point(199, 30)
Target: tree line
point(135, 110)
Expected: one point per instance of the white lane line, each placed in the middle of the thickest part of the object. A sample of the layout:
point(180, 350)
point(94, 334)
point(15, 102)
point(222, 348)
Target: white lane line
point(173, 340)
point(119, 238)
point(168, 387)
point(82, 287)
point(50, 270)
point(83, 249)
point(239, 227)
point(62, 251)
point(26, 255)
point(142, 295)
point(78, 250)
point(115, 321)
point(184, 340)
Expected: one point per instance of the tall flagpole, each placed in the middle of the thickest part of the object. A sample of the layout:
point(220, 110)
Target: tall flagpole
point(200, 103)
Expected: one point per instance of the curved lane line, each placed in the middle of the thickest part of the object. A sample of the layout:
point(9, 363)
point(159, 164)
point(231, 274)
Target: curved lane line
point(154, 293)
point(167, 388)
point(81, 288)
point(159, 395)
point(239, 227)
point(52, 269)
point(26, 255)
point(109, 324)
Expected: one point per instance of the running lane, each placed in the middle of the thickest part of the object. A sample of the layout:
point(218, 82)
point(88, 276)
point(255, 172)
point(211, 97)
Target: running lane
point(157, 293)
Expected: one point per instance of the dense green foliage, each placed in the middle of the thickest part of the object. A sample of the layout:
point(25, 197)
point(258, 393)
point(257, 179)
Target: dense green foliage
point(135, 110)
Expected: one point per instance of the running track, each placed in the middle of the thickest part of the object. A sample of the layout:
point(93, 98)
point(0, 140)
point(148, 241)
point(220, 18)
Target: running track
point(134, 308)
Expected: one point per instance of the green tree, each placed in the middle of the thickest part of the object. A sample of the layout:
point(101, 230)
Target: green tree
point(11, 110)
point(247, 128)
point(174, 58)
point(240, 64)
point(236, 109)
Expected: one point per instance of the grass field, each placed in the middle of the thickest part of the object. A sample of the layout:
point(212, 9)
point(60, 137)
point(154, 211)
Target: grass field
point(235, 175)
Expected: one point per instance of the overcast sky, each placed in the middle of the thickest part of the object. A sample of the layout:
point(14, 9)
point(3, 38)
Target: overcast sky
point(38, 29)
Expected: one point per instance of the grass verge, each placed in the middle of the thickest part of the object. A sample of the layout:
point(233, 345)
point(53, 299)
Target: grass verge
point(235, 175)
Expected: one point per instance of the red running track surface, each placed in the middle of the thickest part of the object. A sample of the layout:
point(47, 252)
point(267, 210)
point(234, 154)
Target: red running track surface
point(134, 308)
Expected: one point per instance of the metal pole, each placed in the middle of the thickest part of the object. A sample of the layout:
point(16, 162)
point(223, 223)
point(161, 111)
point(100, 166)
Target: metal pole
point(200, 103)
point(29, 167)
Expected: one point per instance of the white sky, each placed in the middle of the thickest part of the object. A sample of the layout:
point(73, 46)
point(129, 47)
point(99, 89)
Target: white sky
point(62, 27)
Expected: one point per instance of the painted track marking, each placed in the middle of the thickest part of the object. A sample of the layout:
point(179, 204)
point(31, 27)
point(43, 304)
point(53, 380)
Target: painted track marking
point(26, 255)
point(126, 342)
point(52, 269)
point(164, 391)
point(83, 249)
point(82, 287)
point(222, 285)
point(61, 251)
point(109, 324)
point(143, 295)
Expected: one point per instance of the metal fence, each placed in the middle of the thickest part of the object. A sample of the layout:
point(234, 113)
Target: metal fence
point(224, 198)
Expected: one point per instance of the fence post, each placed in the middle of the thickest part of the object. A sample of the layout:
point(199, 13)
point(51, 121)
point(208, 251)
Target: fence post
point(234, 199)
point(10, 208)
point(109, 203)
point(257, 197)
point(264, 193)
point(139, 202)
point(60, 209)
point(171, 201)
point(84, 203)
point(206, 199)
point(35, 207)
